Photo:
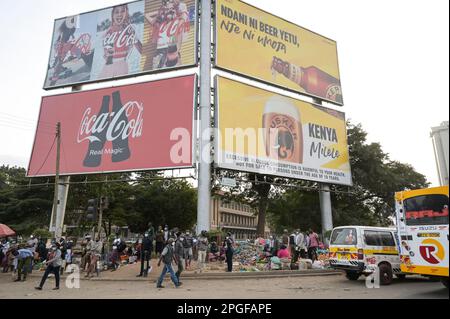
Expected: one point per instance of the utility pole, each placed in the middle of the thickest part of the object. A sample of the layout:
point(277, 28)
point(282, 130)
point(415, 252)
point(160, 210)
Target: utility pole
point(55, 197)
point(204, 174)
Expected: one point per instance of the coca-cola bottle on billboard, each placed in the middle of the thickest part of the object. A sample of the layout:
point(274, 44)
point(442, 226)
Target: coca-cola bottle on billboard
point(120, 143)
point(311, 79)
point(283, 136)
point(94, 153)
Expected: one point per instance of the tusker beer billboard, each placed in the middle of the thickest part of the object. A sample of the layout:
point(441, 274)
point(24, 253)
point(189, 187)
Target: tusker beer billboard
point(279, 135)
point(128, 39)
point(259, 45)
point(135, 127)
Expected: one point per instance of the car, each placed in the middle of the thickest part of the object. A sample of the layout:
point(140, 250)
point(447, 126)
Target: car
point(363, 250)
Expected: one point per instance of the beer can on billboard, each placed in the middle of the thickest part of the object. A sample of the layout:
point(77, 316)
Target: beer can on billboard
point(279, 135)
point(259, 45)
point(143, 126)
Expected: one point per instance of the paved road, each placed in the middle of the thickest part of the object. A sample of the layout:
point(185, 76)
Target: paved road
point(320, 287)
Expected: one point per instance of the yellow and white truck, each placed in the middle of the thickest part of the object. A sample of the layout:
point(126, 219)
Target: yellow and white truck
point(422, 223)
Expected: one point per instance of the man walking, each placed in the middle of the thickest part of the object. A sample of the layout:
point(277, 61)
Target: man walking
point(202, 247)
point(167, 256)
point(53, 266)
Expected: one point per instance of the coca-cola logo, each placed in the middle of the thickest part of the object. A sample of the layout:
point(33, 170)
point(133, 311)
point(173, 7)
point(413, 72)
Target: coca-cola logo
point(114, 124)
point(120, 39)
point(173, 28)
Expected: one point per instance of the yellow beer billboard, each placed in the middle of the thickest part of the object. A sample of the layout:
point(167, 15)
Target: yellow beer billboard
point(254, 43)
point(264, 132)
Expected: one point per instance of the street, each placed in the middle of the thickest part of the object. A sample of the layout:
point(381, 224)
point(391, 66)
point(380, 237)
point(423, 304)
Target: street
point(308, 287)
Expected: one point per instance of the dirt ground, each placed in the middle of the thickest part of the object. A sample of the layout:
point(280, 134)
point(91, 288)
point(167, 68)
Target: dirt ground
point(315, 287)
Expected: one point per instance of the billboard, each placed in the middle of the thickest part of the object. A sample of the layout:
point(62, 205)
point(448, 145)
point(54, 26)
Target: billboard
point(259, 45)
point(279, 135)
point(128, 39)
point(135, 127)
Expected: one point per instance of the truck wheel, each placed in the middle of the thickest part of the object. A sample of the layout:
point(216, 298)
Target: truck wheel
point(445, 282)
point(385, 274)
point(351, 275)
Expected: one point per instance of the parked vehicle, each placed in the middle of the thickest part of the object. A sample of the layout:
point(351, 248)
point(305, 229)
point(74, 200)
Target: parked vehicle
point(361, 250)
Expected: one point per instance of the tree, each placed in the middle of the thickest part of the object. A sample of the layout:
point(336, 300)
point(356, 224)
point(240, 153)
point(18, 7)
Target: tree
point(369, 202)
point(24, 207)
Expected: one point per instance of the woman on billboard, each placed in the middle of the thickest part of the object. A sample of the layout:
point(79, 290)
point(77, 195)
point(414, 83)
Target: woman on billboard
point(170, 26)
point(118, 42)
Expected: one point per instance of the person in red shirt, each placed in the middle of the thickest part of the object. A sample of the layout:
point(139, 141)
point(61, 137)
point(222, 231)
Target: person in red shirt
point(118, 42)
point(284, 253)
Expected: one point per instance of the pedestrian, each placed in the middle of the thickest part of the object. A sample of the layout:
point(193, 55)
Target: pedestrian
point(95, 254)
point(202, 247)
point(167, 256)
point(24, 259)
point(115, 258)
point(151, 232)
point(285, 238)
point(188, 253)
point(68, 257)
point(313, 245)
point(166, 234)
point(53, 263)
point(42, 250)
point(179, 253)
point(159, 241)
point(86, 252)
point(292, 242)
point(146, 255)
point(229, 251)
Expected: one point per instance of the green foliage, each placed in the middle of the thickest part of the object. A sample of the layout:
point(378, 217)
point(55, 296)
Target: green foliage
point(42, 233)
point(26, 208)
point(369, 202)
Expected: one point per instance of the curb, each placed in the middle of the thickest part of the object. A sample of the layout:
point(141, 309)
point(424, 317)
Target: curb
point(219, 276)
point(184, 278)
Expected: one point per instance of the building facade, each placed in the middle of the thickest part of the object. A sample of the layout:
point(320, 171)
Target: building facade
point(439, 136)
point(237, 218)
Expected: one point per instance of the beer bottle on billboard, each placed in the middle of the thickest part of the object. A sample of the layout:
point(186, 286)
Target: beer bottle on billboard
point(283, 136)
point(120, 143)
point(311, 79)
point(95, 150)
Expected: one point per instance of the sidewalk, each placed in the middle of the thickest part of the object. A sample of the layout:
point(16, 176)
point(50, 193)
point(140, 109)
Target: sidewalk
point(214, 270)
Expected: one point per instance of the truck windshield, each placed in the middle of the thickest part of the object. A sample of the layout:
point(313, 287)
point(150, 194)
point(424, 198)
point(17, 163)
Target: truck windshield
point(344, 236)
point(426, 210)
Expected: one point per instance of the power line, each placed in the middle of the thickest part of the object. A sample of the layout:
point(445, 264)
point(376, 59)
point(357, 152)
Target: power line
point(48, 154)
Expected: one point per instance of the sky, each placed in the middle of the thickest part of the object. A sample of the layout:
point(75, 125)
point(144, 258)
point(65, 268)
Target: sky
point(393, 58)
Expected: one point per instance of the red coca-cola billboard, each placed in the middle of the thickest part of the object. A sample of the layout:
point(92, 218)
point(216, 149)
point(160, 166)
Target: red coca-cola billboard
point(135, 127)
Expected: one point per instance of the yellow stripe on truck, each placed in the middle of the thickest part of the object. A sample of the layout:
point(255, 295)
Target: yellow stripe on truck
point(425, 270)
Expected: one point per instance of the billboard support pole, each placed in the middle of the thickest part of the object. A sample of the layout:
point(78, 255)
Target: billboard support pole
point(325, 202)
point(204, 174)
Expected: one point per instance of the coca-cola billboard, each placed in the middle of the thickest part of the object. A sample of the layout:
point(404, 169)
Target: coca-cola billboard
point(128, 39)
point(135, 127)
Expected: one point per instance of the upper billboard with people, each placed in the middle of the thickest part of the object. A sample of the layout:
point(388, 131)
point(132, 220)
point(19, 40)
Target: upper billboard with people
point(128, 39)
